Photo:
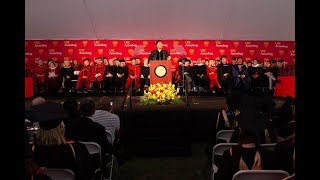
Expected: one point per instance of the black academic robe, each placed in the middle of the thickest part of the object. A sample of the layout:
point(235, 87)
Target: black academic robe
point(241, 83)
point(284, 156)
point(61, 156)
point(256, 82)
point(156, 55)
point(229, 164)
point(225, 82)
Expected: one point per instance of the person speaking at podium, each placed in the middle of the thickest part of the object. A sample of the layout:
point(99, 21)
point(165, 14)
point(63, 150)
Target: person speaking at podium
point(159, 53)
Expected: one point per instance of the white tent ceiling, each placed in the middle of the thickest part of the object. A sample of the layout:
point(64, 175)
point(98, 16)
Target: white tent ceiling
point(164, 19)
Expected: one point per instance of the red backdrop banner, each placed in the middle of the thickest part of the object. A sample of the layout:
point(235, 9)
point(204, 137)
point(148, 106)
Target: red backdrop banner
point(59, 50)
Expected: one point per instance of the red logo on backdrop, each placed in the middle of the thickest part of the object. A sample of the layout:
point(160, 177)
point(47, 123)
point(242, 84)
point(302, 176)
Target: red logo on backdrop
point(83, 51)
point(292, 52)
point(99, 44)
point(279, 45)
point(265, 59)
point(175, 59)
point(250, 45)
point(54, 59)
point(26, 43)
point(236, 44)
point(126, 58)
point(40, 51)
point(235, 53)
point(145, 43)
point(189, 44)
point(143, 52)
point(84, 43)
point(265, 53)
point(128, 44)
point(28, 54)
point(145, 58)
point(39, 44)
point(251, 51)
point(281, 52)
point(68, 43)
point(100, 51)
point(221, 52)
point(204, 52)
point(54, 52)
point(206, 43)
point(219, 44)
point(248, 59)
point(266, 44)
point(55, 43)
point(114, 52)
point(66, 58)
point(175, 42)
point(70, 51)
point(191, 51)
point(217, 58)
point(114, 43)
point(130, 51)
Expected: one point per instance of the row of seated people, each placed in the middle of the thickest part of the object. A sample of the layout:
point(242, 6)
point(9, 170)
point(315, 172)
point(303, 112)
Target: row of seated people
point(257, 123)
point(56, 144)
point(235, 76)
point(108, 75)
point(105, 75)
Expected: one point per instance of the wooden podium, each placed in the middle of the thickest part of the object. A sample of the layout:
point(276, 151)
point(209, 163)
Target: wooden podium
point(160, 71)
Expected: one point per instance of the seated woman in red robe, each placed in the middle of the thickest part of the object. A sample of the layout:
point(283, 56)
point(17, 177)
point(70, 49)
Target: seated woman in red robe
point(84, 75)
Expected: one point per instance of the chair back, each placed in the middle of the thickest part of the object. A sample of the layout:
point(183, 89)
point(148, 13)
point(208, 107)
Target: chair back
point(59, 174)
point(269, 147)
point(260, 175)
point(218, 150)
point(109, 136)
point(224, 135)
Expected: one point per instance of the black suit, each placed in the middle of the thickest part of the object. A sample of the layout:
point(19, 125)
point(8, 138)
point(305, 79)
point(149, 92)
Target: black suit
point(156, 55)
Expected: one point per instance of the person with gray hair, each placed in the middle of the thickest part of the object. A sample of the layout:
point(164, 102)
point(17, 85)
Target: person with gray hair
point(104, 116)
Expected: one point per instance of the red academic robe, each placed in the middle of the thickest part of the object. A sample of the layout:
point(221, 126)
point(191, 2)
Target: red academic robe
point(52, 76)
point(133, 71)
point(40, 74)
point(84, 76)
point(97, 69)
point(213, 76)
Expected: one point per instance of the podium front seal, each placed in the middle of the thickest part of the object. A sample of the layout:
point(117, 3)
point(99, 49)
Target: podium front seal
point(160, 71)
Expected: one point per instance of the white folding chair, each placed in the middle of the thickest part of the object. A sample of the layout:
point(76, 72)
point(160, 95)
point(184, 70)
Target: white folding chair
point(59, 174)
point(260, 175)
point(218, 150)
point(269, 146)
point(94, 148)
point(224, 135)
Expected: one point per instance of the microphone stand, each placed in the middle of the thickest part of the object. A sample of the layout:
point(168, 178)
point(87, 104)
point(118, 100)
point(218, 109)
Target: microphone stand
point(184, 84)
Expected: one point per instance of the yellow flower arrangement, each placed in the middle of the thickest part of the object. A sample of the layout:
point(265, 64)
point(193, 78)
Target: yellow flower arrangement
point(161, 94)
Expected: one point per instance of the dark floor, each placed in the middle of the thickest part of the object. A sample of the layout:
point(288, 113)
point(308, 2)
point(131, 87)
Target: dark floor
point(167, 168)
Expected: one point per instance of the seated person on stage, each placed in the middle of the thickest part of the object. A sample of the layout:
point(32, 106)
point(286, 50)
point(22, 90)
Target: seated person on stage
point(67, 73)
point(145, 74)
point(40, 73)
point(133, 76)
point(85, 129)
point(159, 53)
point(187, 71)
point(213, 76)
point(225, 75)
point(52, 150)
point(84, 75)
point(248, 155)
point(240, 76)
point(110, 75)
point(269, 74)
point(201, 75)
point(256, 72)
point(97, 72)
point(53, 73)
point(122, 75)
point(234, 61)
point(104, 116)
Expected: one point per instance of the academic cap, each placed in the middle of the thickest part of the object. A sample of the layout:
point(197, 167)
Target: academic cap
point(49, 115)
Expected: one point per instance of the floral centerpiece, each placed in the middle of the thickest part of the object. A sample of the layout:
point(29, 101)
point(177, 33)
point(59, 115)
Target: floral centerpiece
point(161, 94)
